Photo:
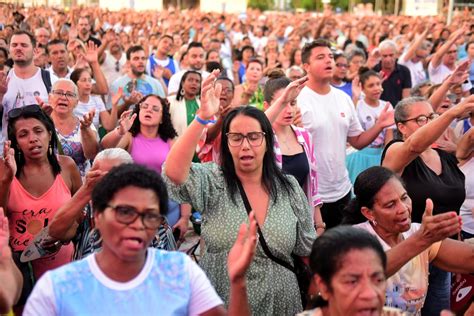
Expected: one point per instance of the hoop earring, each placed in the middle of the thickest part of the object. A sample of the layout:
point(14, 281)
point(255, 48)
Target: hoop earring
point(182, 91)
point(373, 222)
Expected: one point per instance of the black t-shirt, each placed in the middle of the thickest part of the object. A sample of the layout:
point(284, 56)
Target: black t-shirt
point(447, 190)
point(393, 86)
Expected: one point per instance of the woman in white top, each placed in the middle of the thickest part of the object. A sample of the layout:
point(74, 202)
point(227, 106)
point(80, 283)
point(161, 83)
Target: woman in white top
point(87, 102)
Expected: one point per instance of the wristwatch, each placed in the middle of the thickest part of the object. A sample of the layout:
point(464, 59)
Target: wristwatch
point(320, 225)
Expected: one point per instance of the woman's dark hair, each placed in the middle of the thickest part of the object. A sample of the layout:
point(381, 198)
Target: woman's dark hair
point(292, 58)
point(365, 73)
point(272, 176)
point(165, 129)
point(53, 143)
point(276, 81)
point(180, 95)
point(127, 175)
point(76, 74)
point(330, 249)
point(367, 184)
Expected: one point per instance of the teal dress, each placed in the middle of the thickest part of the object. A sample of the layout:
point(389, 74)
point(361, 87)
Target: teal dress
point(288, 228)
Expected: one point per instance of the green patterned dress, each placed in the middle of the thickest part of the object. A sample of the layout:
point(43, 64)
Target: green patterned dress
point(288, 228)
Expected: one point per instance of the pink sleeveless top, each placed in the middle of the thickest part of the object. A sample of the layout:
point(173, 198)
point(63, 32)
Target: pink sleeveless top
point(150, 152)
point(29, 214)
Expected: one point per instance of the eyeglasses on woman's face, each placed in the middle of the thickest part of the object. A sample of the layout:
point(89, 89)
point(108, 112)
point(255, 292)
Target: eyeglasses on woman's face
point(126, 214)
point(68, 95)
point(254, 138)
point(422, 119)
point(146, 106)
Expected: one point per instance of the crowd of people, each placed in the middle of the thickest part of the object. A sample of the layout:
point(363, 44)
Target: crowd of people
point(328, 159)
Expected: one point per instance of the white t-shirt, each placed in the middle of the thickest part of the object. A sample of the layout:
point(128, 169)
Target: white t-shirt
point(112, 71)
point(170, 283)
point(367, 117)
point(175, 79)
point(468, 205)
point(407, 288)
point(417, 71)
point(95, 102)
point(55, 77)
point(21, 92)
point(438, 74)
point(330, 119)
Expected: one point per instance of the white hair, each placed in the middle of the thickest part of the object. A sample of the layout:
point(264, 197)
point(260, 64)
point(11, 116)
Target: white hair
point(114, 154)
point(388, 44)
point(60, 80)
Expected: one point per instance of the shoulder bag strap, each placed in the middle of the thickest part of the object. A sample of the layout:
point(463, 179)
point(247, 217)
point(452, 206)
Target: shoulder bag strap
point(261, 239)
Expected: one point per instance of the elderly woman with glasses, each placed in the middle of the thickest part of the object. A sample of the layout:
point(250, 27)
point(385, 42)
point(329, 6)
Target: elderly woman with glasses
point(35, 182)
point(428, 173)
point(248, 171)
point(78, 138)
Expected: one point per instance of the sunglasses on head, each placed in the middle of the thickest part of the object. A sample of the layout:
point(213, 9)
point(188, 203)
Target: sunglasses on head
point(28, 109)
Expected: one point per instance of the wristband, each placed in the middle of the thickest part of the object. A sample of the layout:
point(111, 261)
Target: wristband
point(204, 122)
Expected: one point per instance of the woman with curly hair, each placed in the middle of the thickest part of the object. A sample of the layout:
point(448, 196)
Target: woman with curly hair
point(147, 134)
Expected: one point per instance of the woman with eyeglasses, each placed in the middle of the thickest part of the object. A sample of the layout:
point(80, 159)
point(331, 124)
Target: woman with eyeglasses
point(248, 170)
point(78, 138)
point(428, 173)
point(185, 104)
point(87, 102)
point(128, 278)
point(35, 182)
point(147, 133)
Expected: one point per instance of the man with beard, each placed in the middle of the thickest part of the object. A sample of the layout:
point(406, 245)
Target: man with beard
point(84, 32)
point(114, 58)
point(195, 57)
point(25, 82)
point(136, 84)
point(163, 60)
point(396, 78)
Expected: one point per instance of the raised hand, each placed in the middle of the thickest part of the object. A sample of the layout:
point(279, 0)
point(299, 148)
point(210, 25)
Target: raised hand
point(210, 96)
point(126, 121)
point(134, 97)
point(87, 119)
point(386, 117)
point(8, 163)
point(92, 53)
point(158, 71)
point(117, 97)
point(438, 227)
point(93, 176)
point(46, 107)
point(460, 74)
point(293, 89)
point(242, 252)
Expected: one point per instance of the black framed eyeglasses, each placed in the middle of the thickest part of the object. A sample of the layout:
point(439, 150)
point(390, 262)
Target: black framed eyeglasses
point(68, 95)
point(254, 138)
point(125, 214)
point(28, 109)
point(422, 119)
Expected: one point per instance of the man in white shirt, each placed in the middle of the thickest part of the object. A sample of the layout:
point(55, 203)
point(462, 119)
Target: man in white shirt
point(112, 59)
point(25, 81)
point(414, 57)
point(443, 62)
point(329, 115)
point(195, 56)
